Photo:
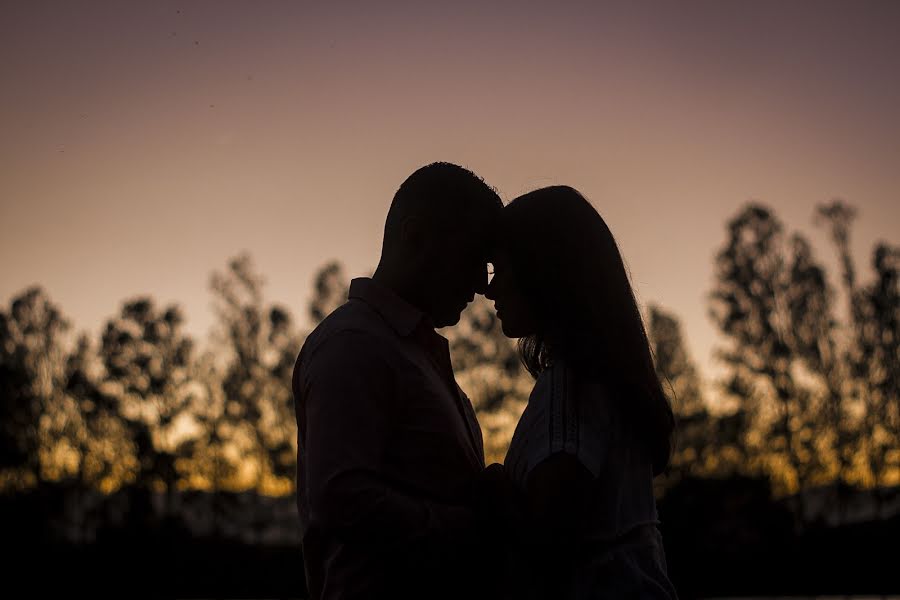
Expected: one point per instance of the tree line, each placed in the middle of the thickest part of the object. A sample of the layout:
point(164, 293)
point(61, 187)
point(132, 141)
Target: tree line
point(808, 396)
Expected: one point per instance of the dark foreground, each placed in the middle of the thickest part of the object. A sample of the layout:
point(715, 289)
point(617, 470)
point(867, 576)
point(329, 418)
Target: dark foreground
point(722, 540)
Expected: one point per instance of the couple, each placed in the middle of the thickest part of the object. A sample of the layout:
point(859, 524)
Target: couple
point(394, 497)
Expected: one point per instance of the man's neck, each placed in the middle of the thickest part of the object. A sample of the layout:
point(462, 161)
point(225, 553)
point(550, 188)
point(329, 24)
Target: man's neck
point(398, 284)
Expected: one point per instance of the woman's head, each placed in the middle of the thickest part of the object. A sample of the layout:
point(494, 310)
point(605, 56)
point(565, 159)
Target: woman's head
point(560, 286)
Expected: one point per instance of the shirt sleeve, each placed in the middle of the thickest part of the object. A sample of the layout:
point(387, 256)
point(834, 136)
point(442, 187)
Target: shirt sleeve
point(570, 422)
point(347, 395)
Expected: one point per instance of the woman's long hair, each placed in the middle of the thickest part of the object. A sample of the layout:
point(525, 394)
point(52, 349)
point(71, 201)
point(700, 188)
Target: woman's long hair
point(566, 262)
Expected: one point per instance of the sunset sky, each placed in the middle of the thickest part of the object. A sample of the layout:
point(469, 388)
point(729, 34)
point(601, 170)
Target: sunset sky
point(143, 144)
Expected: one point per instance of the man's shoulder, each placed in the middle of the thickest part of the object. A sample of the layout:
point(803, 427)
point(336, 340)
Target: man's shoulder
point(352, 327)
point(352, 316)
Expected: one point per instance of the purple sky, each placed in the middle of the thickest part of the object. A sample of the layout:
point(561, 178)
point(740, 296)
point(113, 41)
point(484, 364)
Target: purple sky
point(145, 143)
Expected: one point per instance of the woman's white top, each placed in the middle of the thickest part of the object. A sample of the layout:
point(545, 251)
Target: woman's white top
point(618, 550)
point(569, 414)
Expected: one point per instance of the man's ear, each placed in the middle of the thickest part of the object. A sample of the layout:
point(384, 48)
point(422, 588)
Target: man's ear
point(413, 236)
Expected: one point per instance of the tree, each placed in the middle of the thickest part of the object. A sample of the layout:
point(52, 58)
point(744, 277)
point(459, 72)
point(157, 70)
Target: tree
point(673, 364)
point(695, 434)
point(31, 372)
point(147, 359)
point(707, 443)
point(844, 362)
point(215, 462)
point(821, 392)
point(100, 436)
point(878, 368)
point(261, 343)
point(773, 306)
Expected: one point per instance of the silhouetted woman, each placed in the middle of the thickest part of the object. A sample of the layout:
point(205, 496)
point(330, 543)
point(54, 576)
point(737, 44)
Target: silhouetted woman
point(598, 426)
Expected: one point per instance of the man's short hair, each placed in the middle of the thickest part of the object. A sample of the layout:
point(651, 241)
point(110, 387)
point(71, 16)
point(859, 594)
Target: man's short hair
point(445, 195)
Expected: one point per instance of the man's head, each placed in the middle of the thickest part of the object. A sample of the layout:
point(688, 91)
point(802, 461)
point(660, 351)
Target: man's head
point(437, 239)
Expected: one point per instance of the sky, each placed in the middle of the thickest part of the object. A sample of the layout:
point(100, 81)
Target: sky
point(145, 143)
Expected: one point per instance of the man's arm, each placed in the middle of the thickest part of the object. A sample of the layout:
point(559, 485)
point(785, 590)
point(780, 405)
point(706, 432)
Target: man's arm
point(347, 395)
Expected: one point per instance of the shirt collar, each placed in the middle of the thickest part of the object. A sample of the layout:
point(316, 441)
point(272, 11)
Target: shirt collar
point(402, 316)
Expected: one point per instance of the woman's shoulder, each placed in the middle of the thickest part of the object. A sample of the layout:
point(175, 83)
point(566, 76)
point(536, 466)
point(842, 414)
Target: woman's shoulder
point(571, 406)
point(566, 413)
point(567, 388)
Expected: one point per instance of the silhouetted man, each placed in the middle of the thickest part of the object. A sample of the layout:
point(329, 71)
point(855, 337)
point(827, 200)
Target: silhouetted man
point(388, 444)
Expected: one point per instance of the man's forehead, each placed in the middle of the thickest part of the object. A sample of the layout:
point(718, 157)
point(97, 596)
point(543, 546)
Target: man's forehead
point(482, 223)
point(476, 237)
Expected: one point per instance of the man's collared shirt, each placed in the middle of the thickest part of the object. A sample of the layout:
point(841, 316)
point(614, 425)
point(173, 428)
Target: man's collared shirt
point(388, 447)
